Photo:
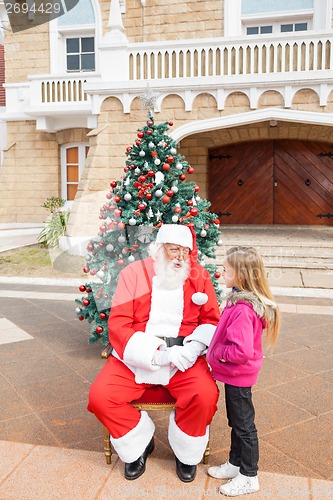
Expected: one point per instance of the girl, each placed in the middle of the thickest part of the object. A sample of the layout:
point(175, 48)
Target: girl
point(235, 356)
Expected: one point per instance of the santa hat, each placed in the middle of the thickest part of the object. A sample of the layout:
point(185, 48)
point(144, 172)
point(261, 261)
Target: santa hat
point(176, 234)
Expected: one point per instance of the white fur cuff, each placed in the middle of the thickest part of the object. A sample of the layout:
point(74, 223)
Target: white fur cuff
point(131, 446)
point(188, 449)
point(140, 350)
point(203, 333)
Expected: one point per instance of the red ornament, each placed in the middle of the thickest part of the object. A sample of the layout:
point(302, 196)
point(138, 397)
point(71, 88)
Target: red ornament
point(120, 262)
point(117, 199)
point(86, 269)
point(217, 275)
point(102, 229)
point(141, 206)
point(125, 169)
point(166, 166)
point(154, 153)
point(149, 132)
point(169, 193)
point(105, 297)
point(121, 225)
point(99, 330)
point(206, 226)
point(150, 123)
point(190, 170)
point(111, 225)
point(81, 318)
point(118, 212)
point(177, 210)
point(85, 302)
point(82, 288)
point(89, 290)
point(93, 272)
point(90, 247)
point(138, 142)
point(170, 123)
point(109, 195)
point(128, 149)
point(196, 188)
point(170, 159)
point(142, 178)
point(149, 196)
point(113, 184)
point(182, 177)
point(189, 203)
point(151, 173)
point(102, 315)
point(140, 135)
point(217, 221)
point(165, 199)
point(194, 211)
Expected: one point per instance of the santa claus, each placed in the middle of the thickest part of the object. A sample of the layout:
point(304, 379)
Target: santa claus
point(162, 319)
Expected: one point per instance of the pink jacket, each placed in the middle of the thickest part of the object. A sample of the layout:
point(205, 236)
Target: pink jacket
point(235, 352)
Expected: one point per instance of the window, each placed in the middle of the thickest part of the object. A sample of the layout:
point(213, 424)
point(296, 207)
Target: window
point(80, 54)
point(266, 17)
point(73, 158)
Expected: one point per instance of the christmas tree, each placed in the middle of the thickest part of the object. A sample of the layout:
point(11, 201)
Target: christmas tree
point(153, 190)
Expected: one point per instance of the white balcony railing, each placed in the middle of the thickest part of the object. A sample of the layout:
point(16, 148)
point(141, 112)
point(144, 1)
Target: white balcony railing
point(231, 58)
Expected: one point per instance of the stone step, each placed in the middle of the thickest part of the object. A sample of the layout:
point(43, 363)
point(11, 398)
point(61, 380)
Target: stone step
point(294, 256)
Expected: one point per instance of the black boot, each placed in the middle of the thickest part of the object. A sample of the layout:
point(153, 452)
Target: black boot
point(186, 473)
point(135, 469)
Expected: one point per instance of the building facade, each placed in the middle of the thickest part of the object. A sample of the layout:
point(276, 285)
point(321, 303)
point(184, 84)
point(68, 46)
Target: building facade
point(247, 84)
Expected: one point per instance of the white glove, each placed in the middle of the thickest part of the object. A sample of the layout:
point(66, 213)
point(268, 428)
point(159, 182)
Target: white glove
point(184, 356)
point(161, 358)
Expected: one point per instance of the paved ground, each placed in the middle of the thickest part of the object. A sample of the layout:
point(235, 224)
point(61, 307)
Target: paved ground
point(52, 448)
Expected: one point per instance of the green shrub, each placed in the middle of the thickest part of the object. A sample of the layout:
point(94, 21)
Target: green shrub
point(55, 225)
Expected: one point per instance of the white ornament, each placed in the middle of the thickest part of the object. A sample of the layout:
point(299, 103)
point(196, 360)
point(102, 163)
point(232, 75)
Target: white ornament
point(159, 177)
point(157, 161)
point(121, 239)
point(173, 151)
point(146, 164)
point(132, 221)
point(142, 154)
point(219, 243)
point(174, 189)
point(175, 218)
point(88, 257)
point(109, 247)
point(179, 166)
point(150, 213)
point(137, 170)
point(158, 215)
point(124, 251)
point(203, 233)
point(197, 198)
point(151, 145)
point(78, 310)
point(100, 274)
point(131, 258)
point(127, 197)
point(199, 298)
point(158, 193)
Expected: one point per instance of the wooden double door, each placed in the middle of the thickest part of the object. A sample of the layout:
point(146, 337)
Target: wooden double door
point(272, 182)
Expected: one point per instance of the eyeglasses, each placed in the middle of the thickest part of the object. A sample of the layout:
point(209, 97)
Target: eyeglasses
point(177, 250)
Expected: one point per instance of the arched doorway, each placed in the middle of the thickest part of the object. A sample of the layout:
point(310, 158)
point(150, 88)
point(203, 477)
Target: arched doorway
point(272, 182)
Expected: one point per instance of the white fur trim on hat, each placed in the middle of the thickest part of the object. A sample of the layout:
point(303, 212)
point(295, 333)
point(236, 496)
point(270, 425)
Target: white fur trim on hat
point(176, 234)
point(188, 449)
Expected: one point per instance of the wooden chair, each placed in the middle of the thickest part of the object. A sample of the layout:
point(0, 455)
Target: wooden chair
point(155, 398)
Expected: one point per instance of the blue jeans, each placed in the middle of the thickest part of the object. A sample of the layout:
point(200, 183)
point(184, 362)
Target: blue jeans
point(244, 450)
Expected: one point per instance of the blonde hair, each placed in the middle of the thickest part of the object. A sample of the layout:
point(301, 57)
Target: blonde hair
point(250, 276)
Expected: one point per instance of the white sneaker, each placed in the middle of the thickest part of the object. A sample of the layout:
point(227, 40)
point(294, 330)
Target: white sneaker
point(224, 471)
point(240, 485)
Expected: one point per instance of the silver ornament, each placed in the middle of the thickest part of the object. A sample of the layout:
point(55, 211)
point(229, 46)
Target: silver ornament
point(142, 154)
point(121, 239)
point(175, 218)
point(174, 189)
point(109, 247)
point(157, 161)
point(203, 233)
point(173, 151)
point(100, 274)
point(151, 145)
point(179, 166)
point(131, 258)
point(132, 221)
point(127, 197)
point(219, 243)
point(137, 170)
point(158, 193)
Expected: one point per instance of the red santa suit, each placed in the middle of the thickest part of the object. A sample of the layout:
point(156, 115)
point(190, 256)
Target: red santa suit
point(143, 312)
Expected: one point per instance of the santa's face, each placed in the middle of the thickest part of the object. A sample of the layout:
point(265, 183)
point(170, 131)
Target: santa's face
point(172, 265)
point(177, 254)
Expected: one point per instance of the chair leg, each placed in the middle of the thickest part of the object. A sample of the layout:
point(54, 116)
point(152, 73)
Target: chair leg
point(107, 446)
point(206, 453)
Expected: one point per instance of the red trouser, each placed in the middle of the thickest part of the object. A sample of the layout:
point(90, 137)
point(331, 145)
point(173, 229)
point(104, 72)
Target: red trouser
point(194, 390)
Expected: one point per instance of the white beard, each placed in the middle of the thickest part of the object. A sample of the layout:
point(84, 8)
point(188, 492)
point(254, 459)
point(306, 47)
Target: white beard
point(168, 275)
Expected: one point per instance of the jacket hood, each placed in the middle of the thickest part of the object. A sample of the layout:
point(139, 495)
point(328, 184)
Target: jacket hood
point(259, 303)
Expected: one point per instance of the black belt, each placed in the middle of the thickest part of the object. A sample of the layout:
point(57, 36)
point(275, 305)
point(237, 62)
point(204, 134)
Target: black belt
point(170, 341)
